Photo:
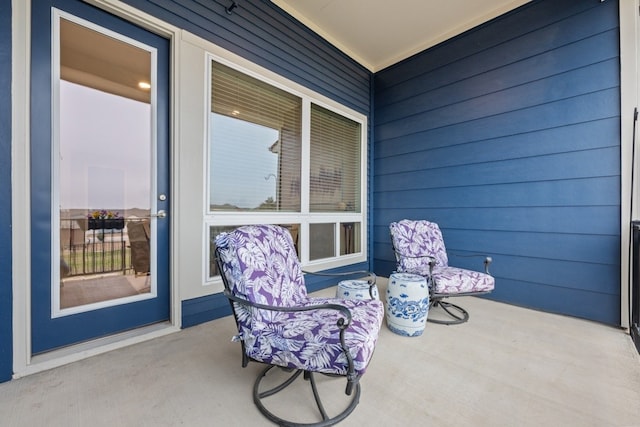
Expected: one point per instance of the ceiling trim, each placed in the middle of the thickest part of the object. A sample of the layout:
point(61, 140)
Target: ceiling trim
point(316, 29)
point(410, 50)
point(450, 34)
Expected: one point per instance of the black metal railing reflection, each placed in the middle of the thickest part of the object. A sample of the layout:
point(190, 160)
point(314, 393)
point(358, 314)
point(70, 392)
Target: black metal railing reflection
point(85, 250)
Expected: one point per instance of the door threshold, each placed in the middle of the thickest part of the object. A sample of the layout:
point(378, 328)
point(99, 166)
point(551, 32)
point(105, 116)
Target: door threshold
point(73, 353)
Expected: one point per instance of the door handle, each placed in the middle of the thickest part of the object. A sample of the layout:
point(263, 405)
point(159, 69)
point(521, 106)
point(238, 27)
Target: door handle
point(160, 214)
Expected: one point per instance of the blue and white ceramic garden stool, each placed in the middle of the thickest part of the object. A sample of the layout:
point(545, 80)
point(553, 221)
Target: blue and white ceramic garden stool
point(356, 289)
point(407, 304)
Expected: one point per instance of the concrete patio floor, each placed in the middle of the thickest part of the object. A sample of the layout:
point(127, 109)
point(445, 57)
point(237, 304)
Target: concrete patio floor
point(507, 366)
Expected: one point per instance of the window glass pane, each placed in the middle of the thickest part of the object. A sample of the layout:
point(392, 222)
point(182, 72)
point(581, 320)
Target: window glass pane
point(335, 162)
point(215, 230)
point(321, 241)
point(349, 238)
point(255, 144)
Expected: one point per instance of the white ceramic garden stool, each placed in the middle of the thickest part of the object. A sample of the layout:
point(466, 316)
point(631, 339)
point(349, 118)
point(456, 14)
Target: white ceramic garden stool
point(407, 304)
point(356, 289)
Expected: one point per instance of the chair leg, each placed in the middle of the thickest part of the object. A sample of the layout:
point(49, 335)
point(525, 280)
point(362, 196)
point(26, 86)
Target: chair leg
point(258, 397)
point(316, 396)
point(459, 314)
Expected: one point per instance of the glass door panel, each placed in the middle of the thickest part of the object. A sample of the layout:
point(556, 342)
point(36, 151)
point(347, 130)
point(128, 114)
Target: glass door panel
point(105, 169)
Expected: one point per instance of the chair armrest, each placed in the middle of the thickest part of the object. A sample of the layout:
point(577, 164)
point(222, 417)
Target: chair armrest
point(371, 276)
point(487, 259)
point(341, 322)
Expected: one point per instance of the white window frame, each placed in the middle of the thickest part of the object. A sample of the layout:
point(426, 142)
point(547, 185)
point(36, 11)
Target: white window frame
point(304, 217)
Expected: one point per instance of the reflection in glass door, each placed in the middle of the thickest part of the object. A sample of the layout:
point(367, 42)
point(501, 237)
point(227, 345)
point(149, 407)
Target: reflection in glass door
point(104, 170)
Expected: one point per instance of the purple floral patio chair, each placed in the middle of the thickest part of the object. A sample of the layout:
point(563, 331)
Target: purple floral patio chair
point(419, 249)
point(281, 326)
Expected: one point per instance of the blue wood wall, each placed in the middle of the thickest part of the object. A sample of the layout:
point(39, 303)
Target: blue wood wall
point(6, 343)
point(264, 34)
point(508, 136)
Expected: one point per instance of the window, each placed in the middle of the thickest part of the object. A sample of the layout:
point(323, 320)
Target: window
point(335, 162)
point(281, 156)
point(255, 143)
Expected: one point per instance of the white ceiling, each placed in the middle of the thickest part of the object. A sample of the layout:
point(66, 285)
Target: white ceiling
point(379, 33)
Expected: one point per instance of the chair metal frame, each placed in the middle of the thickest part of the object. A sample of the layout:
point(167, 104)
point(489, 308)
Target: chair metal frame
point(458, 314)
point(353, 385)
point(371, 277)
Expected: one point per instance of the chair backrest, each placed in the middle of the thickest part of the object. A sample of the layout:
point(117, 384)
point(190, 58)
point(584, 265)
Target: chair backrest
point(260, 264)
point(414, 239)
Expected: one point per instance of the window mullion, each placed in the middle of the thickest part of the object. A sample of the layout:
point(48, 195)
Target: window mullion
point(306, 153)
point(304, 180)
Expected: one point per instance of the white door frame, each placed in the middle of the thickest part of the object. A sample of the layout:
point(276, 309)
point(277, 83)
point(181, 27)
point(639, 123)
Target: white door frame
point(23, 362)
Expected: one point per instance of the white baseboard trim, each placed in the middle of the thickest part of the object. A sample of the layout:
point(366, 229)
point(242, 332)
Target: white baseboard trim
point(74, 353)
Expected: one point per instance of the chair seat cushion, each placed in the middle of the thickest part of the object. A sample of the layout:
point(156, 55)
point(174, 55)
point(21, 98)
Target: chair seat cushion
point(310, 340)
point(453, 280)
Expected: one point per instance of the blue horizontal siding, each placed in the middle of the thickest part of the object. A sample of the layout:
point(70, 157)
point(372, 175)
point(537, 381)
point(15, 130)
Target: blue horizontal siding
point(528, 32)
point(204, 309)
point(264, 34)
point(446, 108)
point(603, 162)
point(6, 298)
point(538, 219)
point(543, 245)
point(592, 277)
point(592, 134)
point(508, 136)
point(578, 109)
point(589, 305)
point(567, 58)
